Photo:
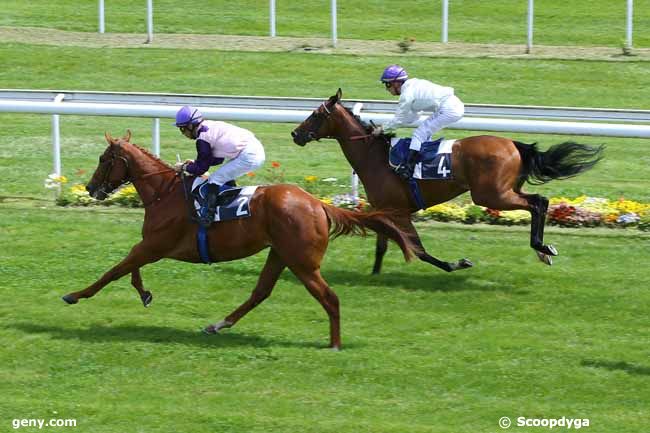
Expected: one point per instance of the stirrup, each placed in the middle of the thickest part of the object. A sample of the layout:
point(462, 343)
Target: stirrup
point(206, 221)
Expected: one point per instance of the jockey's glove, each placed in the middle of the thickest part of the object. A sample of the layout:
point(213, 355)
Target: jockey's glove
point(377, 131)
point(179, 167)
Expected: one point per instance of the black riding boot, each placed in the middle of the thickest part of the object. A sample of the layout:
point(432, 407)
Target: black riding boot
point(405, 169)
point(211, 199)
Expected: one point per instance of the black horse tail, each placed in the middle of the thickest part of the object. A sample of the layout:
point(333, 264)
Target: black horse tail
point(346, 222)
point(560, 161)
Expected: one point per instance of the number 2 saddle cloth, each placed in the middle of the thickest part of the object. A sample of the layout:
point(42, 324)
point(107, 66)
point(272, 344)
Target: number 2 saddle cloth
point(236, 201)
point(434, 161)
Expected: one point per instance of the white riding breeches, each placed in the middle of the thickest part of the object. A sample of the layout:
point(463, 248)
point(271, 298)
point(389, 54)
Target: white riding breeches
point(451, 110)
point(249, 159)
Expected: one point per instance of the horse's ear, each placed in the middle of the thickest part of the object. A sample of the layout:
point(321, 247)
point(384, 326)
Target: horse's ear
point(338, 95)
point(127, 138)
point(109, 139)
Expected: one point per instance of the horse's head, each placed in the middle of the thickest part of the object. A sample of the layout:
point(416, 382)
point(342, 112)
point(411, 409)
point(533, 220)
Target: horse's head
point(319, 124)
point(112, 170)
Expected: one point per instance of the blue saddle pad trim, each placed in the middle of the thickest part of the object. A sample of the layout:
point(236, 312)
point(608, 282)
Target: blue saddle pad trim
point(202, 242)
point(202, 234)
point(417, 194)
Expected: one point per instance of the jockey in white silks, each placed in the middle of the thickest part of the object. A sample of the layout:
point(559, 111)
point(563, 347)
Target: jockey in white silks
point(416, 95)
point(215, 142)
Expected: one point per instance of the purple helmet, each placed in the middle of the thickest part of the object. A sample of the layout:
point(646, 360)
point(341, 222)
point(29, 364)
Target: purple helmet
point(188, 116)
point(394, 73)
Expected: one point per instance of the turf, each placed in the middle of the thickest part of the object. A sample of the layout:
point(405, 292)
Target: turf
point(423, 350)
point(557, 22)
point(24, 146)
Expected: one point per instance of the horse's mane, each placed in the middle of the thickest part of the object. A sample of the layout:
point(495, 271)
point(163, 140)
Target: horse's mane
point(150, 155)
point(385, 137)
point(367, 126)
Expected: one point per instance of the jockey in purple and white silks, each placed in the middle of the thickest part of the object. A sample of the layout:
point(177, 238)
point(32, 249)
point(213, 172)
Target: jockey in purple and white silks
point(416, 95)
point(215, 142)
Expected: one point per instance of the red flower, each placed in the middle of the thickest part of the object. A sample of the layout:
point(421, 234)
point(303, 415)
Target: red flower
point(275, 164)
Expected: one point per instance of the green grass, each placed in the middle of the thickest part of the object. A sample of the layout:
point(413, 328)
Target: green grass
point(423, 350)
point(25, 143)
point(593, 22)
point(487, 81)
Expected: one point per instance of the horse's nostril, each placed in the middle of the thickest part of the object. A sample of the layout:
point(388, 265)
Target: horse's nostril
point(294, 134)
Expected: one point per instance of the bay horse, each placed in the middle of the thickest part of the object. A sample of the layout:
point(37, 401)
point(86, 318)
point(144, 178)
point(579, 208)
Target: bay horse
point(292, 223)
point(493, 169)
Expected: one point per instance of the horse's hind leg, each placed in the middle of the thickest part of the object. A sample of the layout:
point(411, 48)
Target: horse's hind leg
point(320, 290)
point(534, 203)
point(538, 207)
point(380, 251)
point(269, 276)
point(136, 281)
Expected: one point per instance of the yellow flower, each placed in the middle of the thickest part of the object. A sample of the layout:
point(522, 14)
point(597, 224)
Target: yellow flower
point(311, 179)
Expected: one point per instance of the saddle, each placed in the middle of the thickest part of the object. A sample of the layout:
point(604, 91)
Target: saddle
point(232, 203)
point(434, 161)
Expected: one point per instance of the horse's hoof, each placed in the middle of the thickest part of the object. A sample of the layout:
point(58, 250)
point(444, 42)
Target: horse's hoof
point(209, 330)
point(550, 250)
point(544, 258)
point(147, 298)
point(214, 329)
point(69, 299)
point(462, 264)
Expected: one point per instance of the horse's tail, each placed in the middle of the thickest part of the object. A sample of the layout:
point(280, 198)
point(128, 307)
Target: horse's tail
point(345, 222)
point(560, 161)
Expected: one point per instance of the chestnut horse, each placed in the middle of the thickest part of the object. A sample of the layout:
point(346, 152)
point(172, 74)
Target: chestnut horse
point(295, 225)
point(493, 169)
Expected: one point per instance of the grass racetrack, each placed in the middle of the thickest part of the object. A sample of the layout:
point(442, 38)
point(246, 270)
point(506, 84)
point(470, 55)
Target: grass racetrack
point(423, 351)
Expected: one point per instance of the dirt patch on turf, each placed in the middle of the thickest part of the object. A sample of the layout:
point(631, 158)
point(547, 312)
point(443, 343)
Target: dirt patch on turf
point(45, 36)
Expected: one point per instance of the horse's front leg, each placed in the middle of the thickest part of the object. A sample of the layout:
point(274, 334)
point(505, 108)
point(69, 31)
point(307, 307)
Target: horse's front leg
point(136, 281)
point(426, 257)
point(138, 257)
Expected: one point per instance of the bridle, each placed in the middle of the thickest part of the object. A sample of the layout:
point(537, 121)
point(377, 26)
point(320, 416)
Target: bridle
point(114, 156)
point(320, 117)
point(111, 163)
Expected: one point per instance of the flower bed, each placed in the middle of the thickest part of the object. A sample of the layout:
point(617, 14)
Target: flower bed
point(581, 211)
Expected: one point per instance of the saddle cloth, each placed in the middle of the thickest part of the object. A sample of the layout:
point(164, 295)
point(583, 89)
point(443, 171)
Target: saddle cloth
point(238, 203)
point(434, 162)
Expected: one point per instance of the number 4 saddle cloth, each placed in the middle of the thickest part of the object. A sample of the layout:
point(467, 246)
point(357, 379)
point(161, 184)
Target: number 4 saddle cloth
point(434, 162)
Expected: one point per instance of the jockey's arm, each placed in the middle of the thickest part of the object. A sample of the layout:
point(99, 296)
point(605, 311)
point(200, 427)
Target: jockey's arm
point(204, 159)
point(404, 114)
